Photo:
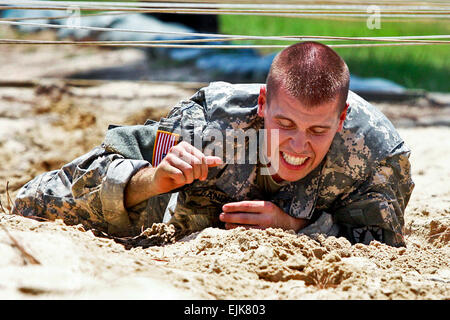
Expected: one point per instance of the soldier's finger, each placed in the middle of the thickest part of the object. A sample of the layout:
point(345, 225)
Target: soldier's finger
point(213, 161)
point(254, 206)
point(200, 162)
point(176, 174)
point(195, 163)
point(193, 150)
point(203, 167)
point(183, 166)
point(241, 218)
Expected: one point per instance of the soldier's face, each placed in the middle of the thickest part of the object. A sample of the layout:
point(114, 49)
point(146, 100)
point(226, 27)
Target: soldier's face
point(305, 134)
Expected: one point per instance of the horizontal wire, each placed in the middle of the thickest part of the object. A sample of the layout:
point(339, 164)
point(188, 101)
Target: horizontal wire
point(380, 44)
point(128, 13)
point(417, 14)
point(107, 6)
point(188, 34)
point(138, 44)
point(50, 5)
point(132, 44)
point(249, 10)
point(109, 42)
point(112, 42)
point(224, 36)
point(216, 5)
point(111, 13)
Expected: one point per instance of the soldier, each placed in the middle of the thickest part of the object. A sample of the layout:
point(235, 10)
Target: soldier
point(338, 166)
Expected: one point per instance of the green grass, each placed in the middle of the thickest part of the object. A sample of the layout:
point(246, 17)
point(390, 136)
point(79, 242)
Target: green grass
point(424, 67)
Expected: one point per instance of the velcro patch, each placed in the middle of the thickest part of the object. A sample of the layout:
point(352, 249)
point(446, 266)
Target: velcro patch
point(163, 142)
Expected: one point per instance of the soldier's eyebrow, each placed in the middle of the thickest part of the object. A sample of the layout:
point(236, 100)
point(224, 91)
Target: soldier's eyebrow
point(316, 126)
point(281, 117)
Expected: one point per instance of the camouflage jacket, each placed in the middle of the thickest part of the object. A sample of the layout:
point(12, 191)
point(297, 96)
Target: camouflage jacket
point(363, 184)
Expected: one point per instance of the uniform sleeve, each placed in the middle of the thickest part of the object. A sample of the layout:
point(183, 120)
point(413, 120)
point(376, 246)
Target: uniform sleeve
point(375, 211)
point(89, 190)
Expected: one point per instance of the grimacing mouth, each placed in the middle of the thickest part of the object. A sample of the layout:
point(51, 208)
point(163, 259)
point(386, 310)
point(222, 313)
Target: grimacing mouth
point(294, 160)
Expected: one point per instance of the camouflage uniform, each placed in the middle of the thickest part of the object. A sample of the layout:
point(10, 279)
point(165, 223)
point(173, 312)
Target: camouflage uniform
point(360, 190)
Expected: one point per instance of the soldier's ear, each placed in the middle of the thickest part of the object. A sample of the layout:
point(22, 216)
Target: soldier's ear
point(262, 100)
point(342, 117)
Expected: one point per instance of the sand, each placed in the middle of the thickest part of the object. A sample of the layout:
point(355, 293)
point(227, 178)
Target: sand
point(45, 126)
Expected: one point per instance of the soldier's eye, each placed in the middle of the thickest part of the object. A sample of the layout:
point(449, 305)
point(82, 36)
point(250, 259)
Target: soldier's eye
point(285, 123)
point(319, 130)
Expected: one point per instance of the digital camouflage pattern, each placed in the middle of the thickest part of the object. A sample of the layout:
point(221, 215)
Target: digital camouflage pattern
point(360, 190)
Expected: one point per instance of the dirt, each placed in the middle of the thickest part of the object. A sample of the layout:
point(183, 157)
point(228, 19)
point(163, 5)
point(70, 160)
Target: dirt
point(47, 125)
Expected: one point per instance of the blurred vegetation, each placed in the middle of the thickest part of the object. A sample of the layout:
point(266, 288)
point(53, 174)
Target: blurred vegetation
point(425, 67)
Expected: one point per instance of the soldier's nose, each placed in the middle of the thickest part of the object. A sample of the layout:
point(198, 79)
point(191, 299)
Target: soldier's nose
point(300, 144)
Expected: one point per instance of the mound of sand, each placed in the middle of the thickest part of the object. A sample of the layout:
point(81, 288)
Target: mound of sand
point(70, 263)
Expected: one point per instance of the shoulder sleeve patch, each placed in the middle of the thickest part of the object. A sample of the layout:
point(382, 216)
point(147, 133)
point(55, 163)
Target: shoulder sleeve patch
point(163, 142)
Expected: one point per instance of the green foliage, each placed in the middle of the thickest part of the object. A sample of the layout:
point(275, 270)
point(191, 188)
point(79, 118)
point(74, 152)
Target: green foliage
point(424, 67)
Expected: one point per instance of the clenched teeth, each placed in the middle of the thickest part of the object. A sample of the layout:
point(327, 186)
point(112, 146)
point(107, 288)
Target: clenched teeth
point(296, 161)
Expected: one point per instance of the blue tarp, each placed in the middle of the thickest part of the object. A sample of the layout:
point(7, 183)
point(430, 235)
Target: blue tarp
point(374, 84)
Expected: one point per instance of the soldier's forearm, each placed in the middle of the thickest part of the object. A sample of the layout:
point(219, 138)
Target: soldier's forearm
point(140, 187)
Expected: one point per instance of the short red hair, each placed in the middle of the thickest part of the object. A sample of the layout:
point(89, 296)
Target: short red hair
point(311, 72)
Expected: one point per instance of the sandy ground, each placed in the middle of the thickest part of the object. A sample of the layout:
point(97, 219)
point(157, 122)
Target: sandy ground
point(44, 126)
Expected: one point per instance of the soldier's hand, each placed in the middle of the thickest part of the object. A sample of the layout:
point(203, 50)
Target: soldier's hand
point(182, 165)
point(259, 215)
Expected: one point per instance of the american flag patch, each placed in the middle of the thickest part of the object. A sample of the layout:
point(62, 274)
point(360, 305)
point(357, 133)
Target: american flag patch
point(163, 142)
